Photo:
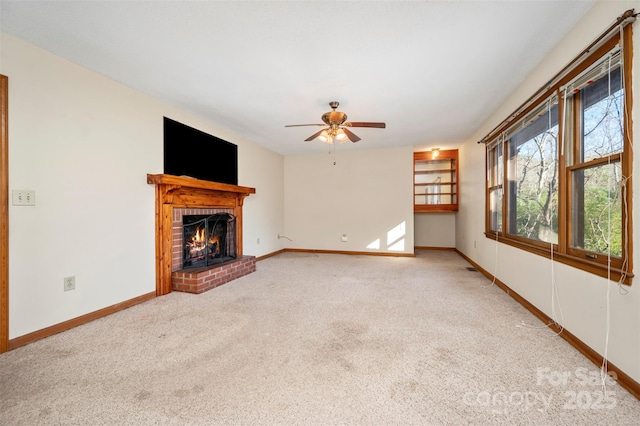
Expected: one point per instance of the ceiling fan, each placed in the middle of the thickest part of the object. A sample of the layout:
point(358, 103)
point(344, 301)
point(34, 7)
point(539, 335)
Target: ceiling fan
point(338, 125)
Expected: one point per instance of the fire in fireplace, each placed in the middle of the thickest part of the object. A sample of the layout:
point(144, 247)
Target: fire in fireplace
point(208, 239)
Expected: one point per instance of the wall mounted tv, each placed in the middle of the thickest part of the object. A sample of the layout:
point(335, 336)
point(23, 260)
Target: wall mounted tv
point(191, 152)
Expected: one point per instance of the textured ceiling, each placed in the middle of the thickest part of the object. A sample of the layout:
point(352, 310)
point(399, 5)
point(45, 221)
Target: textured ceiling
point(433, 70)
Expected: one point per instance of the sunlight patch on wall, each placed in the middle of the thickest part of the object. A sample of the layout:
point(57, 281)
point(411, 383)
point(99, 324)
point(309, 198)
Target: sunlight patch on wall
point(398, 246)
point(374, 245)
point(395, 238)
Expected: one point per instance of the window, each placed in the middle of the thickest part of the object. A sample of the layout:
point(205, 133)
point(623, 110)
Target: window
point(496, 177)
point(558, 170)
point(596, 176)
point(533, 177)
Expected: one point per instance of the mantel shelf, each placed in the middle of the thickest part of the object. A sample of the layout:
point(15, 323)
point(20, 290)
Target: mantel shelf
point(189, 182)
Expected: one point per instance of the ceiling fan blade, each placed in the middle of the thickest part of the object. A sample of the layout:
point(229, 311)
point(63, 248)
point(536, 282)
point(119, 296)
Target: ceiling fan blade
point(366, 124)
point(300, 125)
point(315, 135)
point(352, 136)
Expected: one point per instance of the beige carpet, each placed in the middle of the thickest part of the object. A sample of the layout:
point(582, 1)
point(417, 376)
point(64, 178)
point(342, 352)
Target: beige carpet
point(319, 340)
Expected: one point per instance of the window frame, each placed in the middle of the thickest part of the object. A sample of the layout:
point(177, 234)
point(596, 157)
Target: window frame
point(615, 268)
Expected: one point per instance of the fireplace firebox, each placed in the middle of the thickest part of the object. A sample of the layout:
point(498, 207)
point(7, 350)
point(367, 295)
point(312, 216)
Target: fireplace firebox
point(208, 240)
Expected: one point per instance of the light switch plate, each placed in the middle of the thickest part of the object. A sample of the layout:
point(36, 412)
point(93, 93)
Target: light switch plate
point(23, 197)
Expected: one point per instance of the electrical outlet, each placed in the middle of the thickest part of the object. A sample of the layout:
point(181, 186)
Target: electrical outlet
point(23, 197)
point(69, 283)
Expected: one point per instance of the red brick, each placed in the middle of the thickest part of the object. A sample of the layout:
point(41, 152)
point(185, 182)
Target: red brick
point(206, 280)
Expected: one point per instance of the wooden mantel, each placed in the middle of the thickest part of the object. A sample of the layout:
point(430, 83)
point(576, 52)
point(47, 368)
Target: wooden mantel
point(186, 192)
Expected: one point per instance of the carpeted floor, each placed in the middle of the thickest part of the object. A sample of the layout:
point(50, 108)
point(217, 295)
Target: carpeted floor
point(315, 339)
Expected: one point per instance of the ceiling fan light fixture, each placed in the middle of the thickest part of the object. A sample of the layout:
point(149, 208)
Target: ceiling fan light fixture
point(341, 136)
point(324, 136)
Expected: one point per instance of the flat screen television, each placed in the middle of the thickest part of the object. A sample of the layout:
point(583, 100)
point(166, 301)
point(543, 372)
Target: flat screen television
point(191, 152)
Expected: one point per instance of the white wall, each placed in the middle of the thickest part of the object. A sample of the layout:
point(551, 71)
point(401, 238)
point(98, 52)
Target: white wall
point(366, 195)
point(582, 296)
point(435, 230)
point(85, 143)
point(263, 212)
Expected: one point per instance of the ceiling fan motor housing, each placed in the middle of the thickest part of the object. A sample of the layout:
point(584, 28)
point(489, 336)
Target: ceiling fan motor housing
point(334, 118)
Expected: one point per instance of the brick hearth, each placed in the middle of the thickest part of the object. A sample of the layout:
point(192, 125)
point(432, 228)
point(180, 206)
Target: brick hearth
point(199, 280)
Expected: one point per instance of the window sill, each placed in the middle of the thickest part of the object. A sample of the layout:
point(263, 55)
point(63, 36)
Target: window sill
point(615, 274)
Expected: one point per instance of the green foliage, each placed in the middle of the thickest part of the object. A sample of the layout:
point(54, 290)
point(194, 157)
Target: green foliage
point(602, 221)
point(532, 219)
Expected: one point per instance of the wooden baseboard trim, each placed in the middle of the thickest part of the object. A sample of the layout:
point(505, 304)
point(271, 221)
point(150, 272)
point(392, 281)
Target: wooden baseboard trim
point(434, 248)
point(74, 322)
point(360, 253)
point(365, 253)
point(268, 255)
point(622, 378)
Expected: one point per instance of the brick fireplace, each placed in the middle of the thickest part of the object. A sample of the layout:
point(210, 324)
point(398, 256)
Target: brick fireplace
point(179, 196)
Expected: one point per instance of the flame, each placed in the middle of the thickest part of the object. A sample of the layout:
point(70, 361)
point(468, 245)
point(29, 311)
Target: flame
point(199, 246)
point(197, 243)
point(199, 237)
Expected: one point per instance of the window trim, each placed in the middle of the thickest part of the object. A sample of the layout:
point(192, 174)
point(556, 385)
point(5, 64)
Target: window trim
point(621, 269)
